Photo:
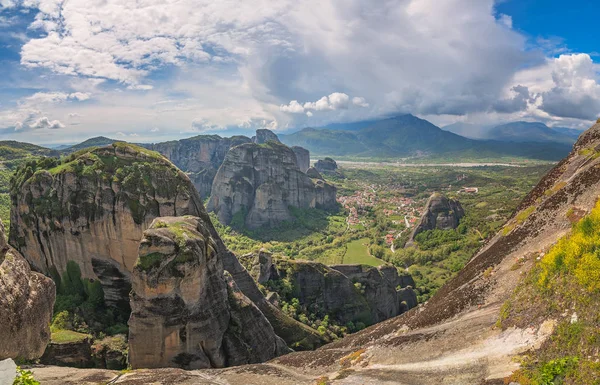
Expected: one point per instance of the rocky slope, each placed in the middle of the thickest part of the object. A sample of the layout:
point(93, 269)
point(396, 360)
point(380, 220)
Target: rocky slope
point(200, 157)
point(26, 302)
point(257, 183)
point(185, 311)
point(440, 213)
point(92, 208)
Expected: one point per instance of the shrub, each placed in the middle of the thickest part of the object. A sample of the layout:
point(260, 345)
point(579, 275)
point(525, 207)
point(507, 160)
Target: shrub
point(24, 377)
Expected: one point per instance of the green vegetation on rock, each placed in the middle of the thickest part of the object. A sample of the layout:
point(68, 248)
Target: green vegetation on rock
point(563, 285)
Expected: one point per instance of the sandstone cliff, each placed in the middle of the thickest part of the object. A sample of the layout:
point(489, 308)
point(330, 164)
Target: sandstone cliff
point(257, 183)
point(26, 302)
point(200, 157)
point(92, 208)
point(185, 312)
point(440, 213)
point(302, 158)
point(348, 293)
point(263, 136)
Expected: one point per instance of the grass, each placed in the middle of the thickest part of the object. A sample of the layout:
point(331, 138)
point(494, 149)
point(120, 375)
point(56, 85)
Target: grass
point(68, 336)
point(358, 253)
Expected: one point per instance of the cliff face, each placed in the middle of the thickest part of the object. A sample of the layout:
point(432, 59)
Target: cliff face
point(257, 183)
point(200, 157)
point(26, 302)
point(92, 208)
point(187, 307)
point(302, 158)
point(440, 213)
point(348, 293)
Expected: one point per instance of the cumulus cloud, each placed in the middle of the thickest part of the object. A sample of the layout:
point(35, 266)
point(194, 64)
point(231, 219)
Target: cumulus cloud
point(225, 63)
point(44, 122)
point(335, 101)
point(576, 91)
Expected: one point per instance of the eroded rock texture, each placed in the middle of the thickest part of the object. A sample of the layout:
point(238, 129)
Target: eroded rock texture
point(92, 208)
point(200, 157)
point(186, 311)
point(326, 165)
point(257, 183)
point(26, 302)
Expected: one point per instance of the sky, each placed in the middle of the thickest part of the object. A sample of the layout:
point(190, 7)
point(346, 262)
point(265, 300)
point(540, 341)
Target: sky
point(154, 70)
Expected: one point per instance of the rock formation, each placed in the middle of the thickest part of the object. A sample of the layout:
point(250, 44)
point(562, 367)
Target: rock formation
point(257, 184)
point(387, 293)
point(26, 302)
point(200, 157)
point(186, 312)
point(326, 165)
point(332, 290)
point(302, 158)
point(313, 173)
point(74, 353)
point(263, 136)
point(92, 208)
point(440, 213)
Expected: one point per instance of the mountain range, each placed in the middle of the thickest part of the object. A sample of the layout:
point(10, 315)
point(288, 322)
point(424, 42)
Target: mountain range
point(408, 136)
point(515, 132)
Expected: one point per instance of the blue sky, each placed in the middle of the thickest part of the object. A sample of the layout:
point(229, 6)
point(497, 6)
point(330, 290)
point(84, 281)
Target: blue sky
point(144, 70)
point(571, 25)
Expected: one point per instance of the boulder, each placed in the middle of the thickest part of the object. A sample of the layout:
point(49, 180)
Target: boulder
point(302, 158)
point(26, 302)
point(257, 183)
point(186, 310)
point(75, 354)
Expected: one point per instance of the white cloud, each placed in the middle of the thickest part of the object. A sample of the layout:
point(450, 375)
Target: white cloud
point(245, 62)
point(333, 102)
point(506, 20)
point(44, 122)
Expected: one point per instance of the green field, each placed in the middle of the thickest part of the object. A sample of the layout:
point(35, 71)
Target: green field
point(358, 253)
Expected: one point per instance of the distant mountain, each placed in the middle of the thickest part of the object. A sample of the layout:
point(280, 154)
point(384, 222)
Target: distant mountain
point(11, 149)
point(408, 136)
point(98, 141)
point(468, 130)
point(527, 132)
point(570, 132)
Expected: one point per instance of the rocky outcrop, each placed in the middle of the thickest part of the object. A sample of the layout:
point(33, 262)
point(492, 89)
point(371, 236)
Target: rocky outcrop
point(348, 293)
point(387, 293)
point(302, 158)
point(76, 354)
point(440, 213)
point(326, 165)
point(186, 311)
point(263, 136)
point(200, 157)
point(257, 183)
point(92, 208)
point(313, 173)
point(26, 302)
